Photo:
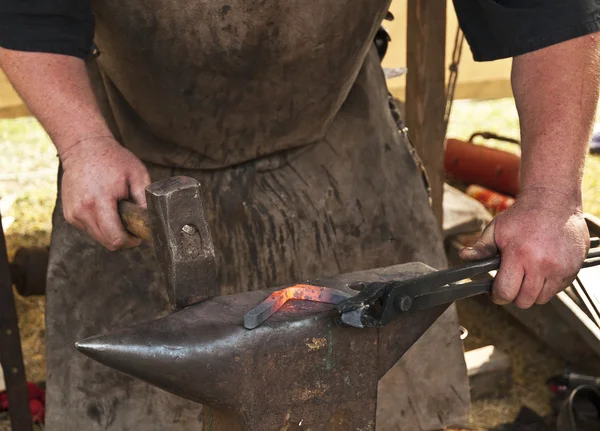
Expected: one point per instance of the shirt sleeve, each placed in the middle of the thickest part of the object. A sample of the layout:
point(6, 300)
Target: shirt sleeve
point(498, 29)
point(52, 26)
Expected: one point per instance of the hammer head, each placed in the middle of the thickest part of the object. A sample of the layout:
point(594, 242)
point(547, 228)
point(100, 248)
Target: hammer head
point(182, 240)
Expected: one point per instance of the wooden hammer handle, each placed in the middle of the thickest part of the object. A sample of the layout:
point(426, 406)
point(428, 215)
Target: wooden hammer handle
point(135, 219)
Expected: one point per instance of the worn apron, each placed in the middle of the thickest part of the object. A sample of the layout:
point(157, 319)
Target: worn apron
point(280, 110)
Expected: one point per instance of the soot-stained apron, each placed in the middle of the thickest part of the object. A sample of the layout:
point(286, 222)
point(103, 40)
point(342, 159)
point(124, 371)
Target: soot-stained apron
point(313, 179)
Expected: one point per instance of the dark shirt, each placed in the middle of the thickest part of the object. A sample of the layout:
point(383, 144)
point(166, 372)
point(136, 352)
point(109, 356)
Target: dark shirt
point(494, 28)
point(54, 26)
point(507, 28)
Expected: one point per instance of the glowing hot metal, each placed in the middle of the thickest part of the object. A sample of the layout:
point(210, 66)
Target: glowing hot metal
point(305, 292)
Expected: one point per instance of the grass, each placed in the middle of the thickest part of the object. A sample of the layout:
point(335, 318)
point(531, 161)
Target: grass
point(28, 165)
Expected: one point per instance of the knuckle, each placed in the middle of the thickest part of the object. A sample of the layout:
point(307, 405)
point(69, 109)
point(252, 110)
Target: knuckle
point(73, 217)
point(539, 261)
point(86, 205)
point(502, 241)
point(69, 217)
point(550, 262)
point(527, 251)
point(120, 177)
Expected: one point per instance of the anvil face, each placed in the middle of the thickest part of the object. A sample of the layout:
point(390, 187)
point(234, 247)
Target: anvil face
point(298, 367)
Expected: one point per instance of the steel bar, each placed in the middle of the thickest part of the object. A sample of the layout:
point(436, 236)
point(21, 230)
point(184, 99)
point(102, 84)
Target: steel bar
point(588, 301)
point(305, 292)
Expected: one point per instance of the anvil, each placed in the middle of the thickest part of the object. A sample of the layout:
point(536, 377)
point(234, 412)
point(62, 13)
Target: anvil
point(299, 370)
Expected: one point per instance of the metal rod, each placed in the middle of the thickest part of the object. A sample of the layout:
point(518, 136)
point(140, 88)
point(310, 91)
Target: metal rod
point(305, 292)
point(587, 301)
point(10, 349)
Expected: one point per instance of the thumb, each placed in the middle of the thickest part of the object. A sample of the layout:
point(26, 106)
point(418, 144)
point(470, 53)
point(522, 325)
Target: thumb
point(485, 246)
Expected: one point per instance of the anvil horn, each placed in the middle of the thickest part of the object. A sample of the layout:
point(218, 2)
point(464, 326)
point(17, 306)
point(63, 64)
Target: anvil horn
point(191, 353)
point(297, 366)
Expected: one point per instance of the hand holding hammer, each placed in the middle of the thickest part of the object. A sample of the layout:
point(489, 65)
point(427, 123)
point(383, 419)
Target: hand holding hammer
point(176, 224)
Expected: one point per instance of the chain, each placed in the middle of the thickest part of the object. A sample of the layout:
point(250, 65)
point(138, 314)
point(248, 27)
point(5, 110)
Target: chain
point(453, 78)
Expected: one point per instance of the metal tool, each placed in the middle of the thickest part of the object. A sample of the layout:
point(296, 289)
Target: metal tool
point(175, 223)
point(379, 302)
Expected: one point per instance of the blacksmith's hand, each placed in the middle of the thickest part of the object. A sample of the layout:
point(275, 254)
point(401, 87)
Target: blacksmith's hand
point(98, 172)
point(542, 240)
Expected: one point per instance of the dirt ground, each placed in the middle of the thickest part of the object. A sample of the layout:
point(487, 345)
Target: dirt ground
point(27, 169)
point(533, 363)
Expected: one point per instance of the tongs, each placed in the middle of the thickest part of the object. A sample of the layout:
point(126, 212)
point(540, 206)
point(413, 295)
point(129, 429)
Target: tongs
point(379, 302)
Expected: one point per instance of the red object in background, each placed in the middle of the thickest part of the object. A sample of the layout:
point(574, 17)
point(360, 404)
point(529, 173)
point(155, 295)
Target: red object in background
point(37, 401)
point(477, 164)
point(38, 411)
point(493, 201)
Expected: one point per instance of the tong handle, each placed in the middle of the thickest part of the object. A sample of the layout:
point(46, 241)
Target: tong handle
point(437, 288)
point(471, 269)
point(447, 295)
point(431, 296)
point(433, 282)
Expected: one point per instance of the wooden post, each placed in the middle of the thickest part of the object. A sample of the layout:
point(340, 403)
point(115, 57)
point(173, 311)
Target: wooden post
point(425, 88)
point(11, 355)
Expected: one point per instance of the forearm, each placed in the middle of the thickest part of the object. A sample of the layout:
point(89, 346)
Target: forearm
point(556, 91)
point(98, 172)
point(57, 90)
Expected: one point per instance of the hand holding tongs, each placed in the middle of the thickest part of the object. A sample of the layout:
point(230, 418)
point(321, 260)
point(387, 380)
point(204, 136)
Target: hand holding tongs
point(379, 302)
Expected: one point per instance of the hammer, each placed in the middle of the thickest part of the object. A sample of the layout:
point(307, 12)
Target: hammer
point(175, 223)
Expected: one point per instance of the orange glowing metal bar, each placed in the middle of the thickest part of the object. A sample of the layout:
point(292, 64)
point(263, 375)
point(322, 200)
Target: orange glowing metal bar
point(304, 292)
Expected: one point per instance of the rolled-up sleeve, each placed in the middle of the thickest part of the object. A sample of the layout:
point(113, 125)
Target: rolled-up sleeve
point(498, 29)
point(52, 26)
